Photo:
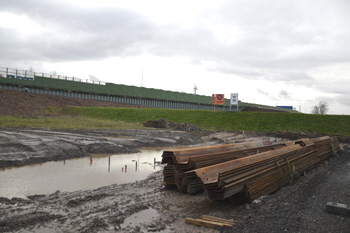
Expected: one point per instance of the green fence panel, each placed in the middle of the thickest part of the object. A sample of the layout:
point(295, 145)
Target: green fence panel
point(115, 90)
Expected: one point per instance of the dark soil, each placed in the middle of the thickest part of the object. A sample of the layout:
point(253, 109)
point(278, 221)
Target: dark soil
point(25, 103)
point(161, 123)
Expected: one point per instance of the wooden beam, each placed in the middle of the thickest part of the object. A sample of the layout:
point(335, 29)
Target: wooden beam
point(210, 223)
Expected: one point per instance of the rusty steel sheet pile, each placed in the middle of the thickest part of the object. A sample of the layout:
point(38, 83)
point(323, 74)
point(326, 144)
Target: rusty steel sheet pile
point(184, 156)
point(183, 160)
point(248, 176)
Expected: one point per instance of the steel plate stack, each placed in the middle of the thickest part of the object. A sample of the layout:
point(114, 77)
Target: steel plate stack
point(242, 174)
point(181, 161)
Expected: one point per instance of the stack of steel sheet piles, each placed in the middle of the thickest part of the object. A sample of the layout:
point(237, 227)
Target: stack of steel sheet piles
point(181, 161)
point(256, 175)
point(169, 176)
point(190, 158)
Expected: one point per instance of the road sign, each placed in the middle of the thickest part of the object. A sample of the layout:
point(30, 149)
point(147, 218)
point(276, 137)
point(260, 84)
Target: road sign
point(234, 99)
point(218, 99)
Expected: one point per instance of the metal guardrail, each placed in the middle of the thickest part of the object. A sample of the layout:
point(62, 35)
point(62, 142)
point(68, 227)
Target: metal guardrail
point(30, 75)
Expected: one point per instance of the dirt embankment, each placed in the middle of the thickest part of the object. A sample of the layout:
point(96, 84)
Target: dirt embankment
point(145, 206)
point(28, 104)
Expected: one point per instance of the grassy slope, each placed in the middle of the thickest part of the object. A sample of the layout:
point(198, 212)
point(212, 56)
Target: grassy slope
point(88, 117)
point(220, 120)
point(66, 122)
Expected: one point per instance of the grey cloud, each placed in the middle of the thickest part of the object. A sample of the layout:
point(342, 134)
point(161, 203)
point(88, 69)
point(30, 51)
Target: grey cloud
point(344, 100)
point(288, 34)
point(196, 61)
point(281, 95)
point(89, 34)
point(94, 78)
point(291, 77)
point(247, 72)
point(261, 92)
point(172, 40)
point(80, 34)
point(284, 94)
point(337, 86)
point(268, 39)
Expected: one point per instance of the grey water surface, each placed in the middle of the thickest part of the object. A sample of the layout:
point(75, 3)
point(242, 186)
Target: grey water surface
point(78, 174)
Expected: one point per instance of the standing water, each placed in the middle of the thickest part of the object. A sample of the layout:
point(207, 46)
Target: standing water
point(77, 174)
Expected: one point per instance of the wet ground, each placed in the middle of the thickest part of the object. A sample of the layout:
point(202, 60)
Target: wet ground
point(27, 146)
point(145, 206)
point(80, 173)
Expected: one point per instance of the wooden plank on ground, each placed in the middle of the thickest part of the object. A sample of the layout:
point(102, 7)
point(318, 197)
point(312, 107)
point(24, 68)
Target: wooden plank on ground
point(216, 219)
point(211, 222)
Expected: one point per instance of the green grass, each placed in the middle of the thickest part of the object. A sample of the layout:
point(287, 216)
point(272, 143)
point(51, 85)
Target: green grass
point(86, 117)
point(66, 122)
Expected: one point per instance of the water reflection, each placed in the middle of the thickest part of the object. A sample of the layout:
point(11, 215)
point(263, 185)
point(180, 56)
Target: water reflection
point(76, 174)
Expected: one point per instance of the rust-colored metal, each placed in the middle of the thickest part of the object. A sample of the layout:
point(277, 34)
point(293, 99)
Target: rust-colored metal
point(263, 176)
point(184, 160)
point(242, 171)
point(183, 156)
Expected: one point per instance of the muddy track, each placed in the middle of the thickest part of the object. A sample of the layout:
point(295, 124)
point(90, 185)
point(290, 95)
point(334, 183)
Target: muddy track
point(294, 208)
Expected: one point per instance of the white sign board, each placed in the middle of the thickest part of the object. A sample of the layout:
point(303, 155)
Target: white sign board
point(234, 99)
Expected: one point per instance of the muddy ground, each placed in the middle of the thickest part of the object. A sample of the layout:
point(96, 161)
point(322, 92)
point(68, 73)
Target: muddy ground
point(145, 206)
point(25, 146)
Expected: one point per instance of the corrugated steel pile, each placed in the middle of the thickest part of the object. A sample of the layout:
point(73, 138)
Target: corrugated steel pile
point(183, 160)
point(244, 170)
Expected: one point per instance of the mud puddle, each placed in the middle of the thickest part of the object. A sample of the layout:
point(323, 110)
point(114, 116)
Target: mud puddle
point(144, 221)
point(79, 174)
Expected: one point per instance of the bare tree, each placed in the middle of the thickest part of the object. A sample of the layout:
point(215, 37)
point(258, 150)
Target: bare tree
point(321, 108)
point(315, 110)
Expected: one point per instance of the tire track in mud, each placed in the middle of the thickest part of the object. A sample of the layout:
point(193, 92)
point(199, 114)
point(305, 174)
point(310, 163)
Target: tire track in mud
point(27, 220)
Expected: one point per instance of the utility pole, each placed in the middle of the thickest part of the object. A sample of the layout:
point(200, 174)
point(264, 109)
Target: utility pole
point(195, 89)
point(142, 77)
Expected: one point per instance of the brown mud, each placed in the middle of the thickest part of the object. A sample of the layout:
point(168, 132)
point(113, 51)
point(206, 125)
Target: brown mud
point(146, 206)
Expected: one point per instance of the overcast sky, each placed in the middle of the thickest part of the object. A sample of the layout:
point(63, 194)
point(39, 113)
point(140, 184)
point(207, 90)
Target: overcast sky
point(272, 52)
